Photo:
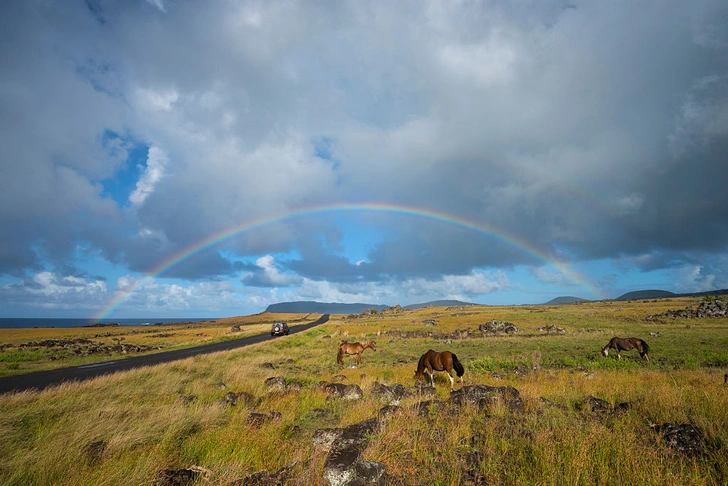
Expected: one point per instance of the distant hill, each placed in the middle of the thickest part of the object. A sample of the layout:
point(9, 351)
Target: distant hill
point(437, 303)
point(306, 307)
point(646, 294)
point(564, 300)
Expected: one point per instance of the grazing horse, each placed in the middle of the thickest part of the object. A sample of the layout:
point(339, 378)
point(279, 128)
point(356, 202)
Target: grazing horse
point(353, 348)
point(433, 361)
point(619, 344)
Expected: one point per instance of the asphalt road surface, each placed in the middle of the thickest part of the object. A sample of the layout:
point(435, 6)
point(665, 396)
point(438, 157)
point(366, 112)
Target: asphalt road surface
point(43, 379)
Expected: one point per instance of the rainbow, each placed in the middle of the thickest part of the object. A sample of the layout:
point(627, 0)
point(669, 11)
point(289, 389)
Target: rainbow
point(484, 228)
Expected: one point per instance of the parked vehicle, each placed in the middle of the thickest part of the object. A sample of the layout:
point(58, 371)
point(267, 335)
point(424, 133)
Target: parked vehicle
point(279, 329)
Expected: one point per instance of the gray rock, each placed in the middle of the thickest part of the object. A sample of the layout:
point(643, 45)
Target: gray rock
point(684, 438)
point(276, 383)
point(341, 464)
point(392, 395)
point(484, 396)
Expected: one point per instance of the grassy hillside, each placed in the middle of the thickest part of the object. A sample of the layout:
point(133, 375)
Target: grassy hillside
point(173, 416)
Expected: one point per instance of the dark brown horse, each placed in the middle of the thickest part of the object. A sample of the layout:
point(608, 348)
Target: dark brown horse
point(445, 361)
point(619, 344)
point(353, 348)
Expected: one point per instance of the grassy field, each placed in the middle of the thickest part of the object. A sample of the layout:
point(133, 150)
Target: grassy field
point(148, 422)
point(23, 351)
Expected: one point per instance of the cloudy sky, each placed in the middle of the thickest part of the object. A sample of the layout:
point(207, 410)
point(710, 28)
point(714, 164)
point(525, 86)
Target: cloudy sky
point(179, 158)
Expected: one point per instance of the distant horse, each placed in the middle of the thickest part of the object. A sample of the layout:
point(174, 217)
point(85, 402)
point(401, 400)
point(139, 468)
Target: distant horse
point(445, 361)
point(619, 344)
point(353, 348)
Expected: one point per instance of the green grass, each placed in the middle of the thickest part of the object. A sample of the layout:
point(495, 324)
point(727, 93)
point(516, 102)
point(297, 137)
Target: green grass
point(147, 429)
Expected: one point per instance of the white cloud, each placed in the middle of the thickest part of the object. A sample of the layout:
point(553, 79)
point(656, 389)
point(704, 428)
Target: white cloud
point(153, 172)
point(51, 291)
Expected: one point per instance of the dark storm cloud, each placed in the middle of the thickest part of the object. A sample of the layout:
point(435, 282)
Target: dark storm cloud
point(585, 130)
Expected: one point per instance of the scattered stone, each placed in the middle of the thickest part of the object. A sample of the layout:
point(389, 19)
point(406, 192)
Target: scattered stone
point(324, 438)
point(424, 389)
point(268, 366)
point(429, 322)
point(221, 385)
point(388, 411)
point(684, 438)
point(232, 398)
point(471, 476)
point(276, 383)
point(338, 378)
point(256, 419)
point(424, 408)
point(552, 329)
point(186, 399)
point(597, 405)
point(498, 327)
point(656, 334)
point(235, 328)
point(392, 395)
point(262, 478)
point(522, 370)
point(716, 308)
point(93, 451)
point(346, 392)
point(621, 408)
point(294, 386)
point(341, 465)
point(175, 477)
point(550, 403)
point(484, 396)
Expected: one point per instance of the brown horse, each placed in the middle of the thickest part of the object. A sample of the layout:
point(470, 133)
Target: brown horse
point(353, 348)
point(445, 361)
point(619, 344)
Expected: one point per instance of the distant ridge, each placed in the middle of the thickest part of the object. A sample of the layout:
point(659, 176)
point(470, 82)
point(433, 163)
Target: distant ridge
point(565, 300)
point(438, 303)
point(646, 294)
point(308, 307)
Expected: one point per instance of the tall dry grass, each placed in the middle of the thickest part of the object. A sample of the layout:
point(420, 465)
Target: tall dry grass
point(146, 427)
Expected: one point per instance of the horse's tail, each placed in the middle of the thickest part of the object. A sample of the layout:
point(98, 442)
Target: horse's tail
point(340, 355)
point(645, 349)
point(458, 366)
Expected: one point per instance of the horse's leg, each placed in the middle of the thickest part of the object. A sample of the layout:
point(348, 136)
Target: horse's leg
point(432, 376)
point(452, 382)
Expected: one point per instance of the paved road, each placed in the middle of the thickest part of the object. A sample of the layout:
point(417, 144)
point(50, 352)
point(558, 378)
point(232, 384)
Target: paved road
point(43, 379)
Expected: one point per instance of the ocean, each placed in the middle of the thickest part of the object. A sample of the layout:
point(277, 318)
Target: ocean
point(11, 322)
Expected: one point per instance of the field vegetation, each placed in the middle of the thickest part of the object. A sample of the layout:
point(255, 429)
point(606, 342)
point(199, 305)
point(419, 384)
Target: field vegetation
point(127, 427)
point(45, 348)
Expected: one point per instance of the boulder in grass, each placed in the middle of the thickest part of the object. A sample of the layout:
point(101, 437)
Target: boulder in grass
point(687, 439)
point(495, 327)
point(484, 396)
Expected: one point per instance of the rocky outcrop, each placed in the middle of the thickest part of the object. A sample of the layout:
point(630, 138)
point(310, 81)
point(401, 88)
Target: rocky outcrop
point(552, 329)
point(233, 398)
point(343, 464)
point(339, 390)
point(484, 397)
point(716, 308)
point(263, 478)
point(495, 327)
point(684, 438)
point(256, 419)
